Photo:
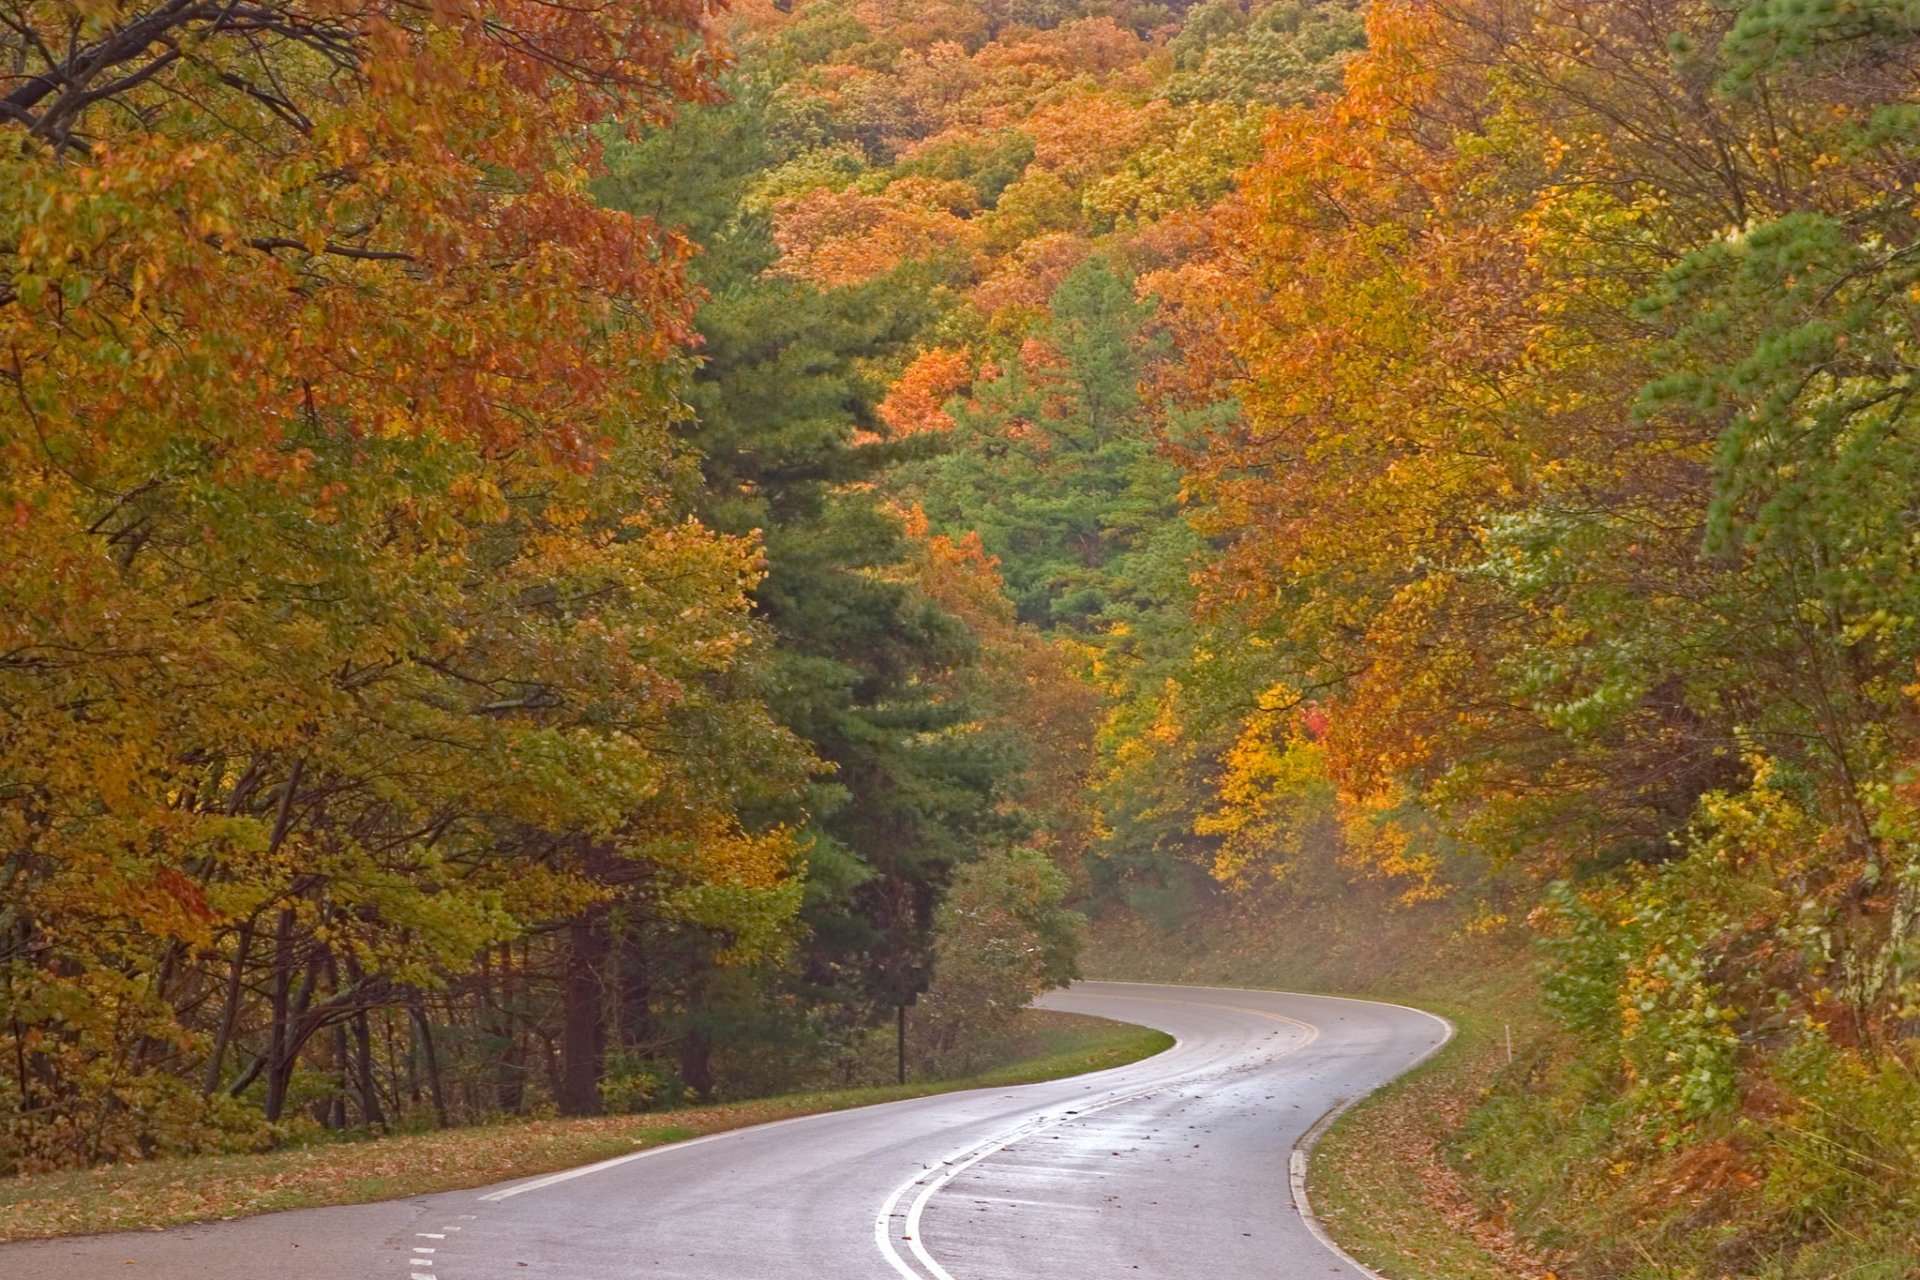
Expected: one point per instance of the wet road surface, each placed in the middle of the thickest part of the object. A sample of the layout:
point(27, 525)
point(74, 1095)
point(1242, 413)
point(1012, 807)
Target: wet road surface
point(1172, 1168)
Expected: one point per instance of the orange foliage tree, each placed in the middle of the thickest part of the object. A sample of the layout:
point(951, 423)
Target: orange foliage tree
point(353, 635)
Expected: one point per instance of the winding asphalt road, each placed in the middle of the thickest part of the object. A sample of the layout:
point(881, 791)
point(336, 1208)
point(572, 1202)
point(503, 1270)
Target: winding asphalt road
point(1172, 1168)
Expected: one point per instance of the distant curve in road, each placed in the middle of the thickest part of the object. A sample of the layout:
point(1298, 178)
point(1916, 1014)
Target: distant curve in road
point(1171, 1168)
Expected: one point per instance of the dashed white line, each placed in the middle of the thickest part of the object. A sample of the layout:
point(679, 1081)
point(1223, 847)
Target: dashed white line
point(431, 1235)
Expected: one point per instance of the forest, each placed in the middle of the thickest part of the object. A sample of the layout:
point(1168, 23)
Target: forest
point(576, 558)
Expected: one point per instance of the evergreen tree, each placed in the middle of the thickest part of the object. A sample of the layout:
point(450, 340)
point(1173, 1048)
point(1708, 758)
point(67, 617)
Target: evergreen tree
point(781, 412)
point(1054, 462)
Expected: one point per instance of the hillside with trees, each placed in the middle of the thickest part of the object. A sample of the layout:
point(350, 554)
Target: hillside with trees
point(575, 560)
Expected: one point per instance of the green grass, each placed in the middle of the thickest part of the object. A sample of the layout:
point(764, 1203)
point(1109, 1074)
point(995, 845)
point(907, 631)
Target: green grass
point(164, 1193)
point(1386, 1179)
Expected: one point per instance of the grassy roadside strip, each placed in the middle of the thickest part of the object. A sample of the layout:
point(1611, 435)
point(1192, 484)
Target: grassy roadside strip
point(171, 1192)
point(1382, 1182)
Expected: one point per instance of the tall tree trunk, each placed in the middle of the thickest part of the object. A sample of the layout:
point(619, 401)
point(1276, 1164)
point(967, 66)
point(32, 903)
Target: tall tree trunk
point(696, 1063)
point(510, 1087)
point(229, 1007)
point(278, 1032)
point(149, 1047)
point(393, 1056)
point(583, 1034)
point(370, 1109)
point(365, 1089)
point(282, 962)
point(636, 991)
point(287, 1050)
point(423, 1030)
point(336, 1106)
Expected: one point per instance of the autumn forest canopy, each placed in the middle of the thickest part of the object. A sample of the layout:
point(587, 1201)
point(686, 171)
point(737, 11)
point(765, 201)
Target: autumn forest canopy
point(577, 557)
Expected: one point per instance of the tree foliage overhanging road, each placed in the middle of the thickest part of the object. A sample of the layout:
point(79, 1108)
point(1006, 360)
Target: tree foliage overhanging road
point(534, 549)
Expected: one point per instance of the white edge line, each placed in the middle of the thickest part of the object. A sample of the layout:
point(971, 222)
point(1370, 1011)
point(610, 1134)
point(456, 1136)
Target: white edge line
point(567, 1175)
point(1302, 1153)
